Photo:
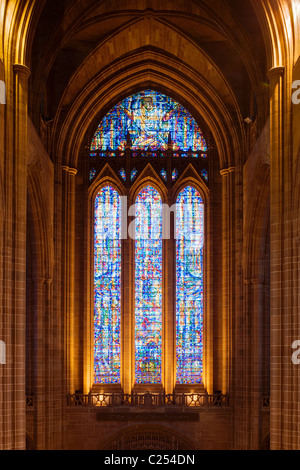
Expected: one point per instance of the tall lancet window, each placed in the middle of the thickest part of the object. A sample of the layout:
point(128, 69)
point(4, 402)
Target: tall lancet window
point(151, 148)
point(148, 287)
point(189, 286)
point(107, 287)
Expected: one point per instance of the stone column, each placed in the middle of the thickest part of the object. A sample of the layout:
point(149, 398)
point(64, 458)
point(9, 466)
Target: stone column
point(169, 308)
point(276, 77)
point(14, 263)
point(39, 358)
point(50, 424)
point(256, 364)
point(284, 375)
point(68, 254)
point(127, 313)
point(228, 217)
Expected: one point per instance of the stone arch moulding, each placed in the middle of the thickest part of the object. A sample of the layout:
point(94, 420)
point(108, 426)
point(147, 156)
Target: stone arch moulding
point(277, 20)
point(107, 176)
point(93, 91)
point(20, 21)
point(152, 436)
point(190, 177)
point(148, 177)
point(41, 228)
point(148, 35)
point(256, 221)
point(82, 116)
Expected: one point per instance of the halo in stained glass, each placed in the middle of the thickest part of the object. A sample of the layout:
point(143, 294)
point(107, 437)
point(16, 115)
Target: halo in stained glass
point(189, 286)
point(150, 118)
point(107, 286)
point(148, 287)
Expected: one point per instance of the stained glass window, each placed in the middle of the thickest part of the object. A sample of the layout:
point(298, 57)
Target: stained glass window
point(122, 173)
point(107, 286)
point(149, 117)
point(163, 174)
point(153, 122)
point(148, 287)
point(93, 173)
point(134, 172)
point(204, 174)
point(189, 286)
point(174, 175)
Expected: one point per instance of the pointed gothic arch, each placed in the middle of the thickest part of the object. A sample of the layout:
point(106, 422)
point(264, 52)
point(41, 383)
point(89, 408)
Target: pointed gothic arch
point(107, 156)
point(148, 437)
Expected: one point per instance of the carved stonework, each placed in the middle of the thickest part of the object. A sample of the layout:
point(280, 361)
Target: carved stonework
point(147, 417)
point(148, 439)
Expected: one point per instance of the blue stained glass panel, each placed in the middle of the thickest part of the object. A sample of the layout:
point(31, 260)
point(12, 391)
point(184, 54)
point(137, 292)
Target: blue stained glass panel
point(204, 174)
point(148, 287)
point(149, 117)
point(163, 174)
point(134, 172)
point(174, 175)
point(189, 286)
point(123, 174)
point(93, 173)
point(107, 287)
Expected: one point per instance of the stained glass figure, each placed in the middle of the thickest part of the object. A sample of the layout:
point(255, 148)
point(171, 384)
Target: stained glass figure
point(148, 287)
point(107, 286)
point(149, 117)
point(163, 174)
point(123, 174)
point(134, 172)
point(204, 174)
point(92, 173)
point(189, 286)
point(174, 175)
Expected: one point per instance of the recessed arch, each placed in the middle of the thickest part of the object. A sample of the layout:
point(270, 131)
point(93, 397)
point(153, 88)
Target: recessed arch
point(151, 66)
point(105, 178)
point(257, 210)
point(147, 437)
point(145, 32)
point(190, 178)
point(148, 177)
point(224, 133)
